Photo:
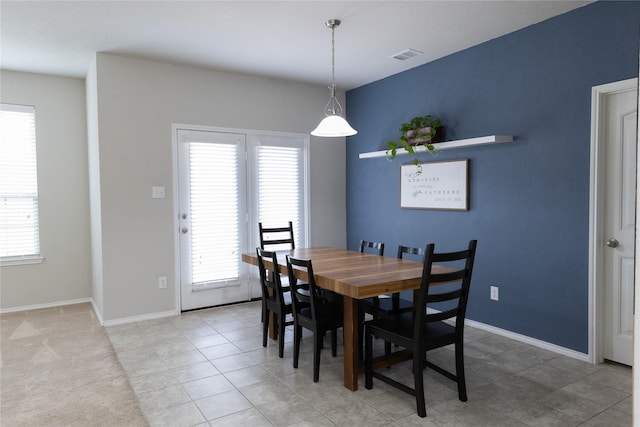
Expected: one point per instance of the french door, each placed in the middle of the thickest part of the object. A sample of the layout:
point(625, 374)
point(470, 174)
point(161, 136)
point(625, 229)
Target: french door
point(227, 183)
point(212, 218)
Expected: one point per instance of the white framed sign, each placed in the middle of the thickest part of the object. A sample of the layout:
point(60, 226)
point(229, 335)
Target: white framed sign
point(440, 185)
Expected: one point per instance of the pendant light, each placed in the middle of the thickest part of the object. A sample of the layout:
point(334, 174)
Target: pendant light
point(334, 124)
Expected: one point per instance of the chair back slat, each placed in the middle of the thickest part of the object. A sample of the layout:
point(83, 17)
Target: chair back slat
point(276, 236)
point(442, 315)
point(450, 256)
point(453, 276)
point(445, 296)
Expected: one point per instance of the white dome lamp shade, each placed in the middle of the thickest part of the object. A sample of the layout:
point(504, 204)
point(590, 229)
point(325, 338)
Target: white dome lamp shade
point(334, 125)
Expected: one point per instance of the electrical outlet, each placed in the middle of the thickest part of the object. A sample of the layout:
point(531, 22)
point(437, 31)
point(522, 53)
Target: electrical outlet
point(162, 282)
point(495, 293)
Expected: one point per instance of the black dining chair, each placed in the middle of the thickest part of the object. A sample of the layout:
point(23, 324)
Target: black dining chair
point(313, 311)
point(277, 238)
point(421, 331)
point(275, 299)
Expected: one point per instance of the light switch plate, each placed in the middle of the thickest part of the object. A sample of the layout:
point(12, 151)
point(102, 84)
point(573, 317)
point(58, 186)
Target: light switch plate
point(157, 192)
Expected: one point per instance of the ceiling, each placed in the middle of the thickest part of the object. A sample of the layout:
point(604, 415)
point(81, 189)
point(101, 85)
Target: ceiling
point(281, 39)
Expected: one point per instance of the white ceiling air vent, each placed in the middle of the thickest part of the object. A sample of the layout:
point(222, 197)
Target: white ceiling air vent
point(406, 54)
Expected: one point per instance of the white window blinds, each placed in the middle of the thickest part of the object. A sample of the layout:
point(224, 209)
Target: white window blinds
point(280, 187)
point(215, 215)
point(19, 231)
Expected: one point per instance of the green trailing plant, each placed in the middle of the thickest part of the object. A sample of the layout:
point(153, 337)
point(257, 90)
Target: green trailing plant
point(419, 131)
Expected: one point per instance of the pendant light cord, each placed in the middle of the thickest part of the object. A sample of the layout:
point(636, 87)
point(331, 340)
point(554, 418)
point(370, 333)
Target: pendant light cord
point(333, 57)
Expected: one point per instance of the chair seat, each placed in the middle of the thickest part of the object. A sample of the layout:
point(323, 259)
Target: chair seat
point(329, 313)
point(331, 296)
point(286, 296)
point(400, 327)
point(384, 306)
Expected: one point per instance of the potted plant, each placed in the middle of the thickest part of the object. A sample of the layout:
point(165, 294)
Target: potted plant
point(419, 131)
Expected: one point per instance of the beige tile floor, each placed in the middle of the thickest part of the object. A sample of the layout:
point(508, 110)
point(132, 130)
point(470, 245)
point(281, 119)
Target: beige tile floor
point(208, 367)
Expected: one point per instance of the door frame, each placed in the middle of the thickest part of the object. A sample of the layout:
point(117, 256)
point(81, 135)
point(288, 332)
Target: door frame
point(596, 215)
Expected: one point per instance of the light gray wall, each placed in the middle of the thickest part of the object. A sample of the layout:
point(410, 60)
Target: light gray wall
point(136, 103)
point(328, 217)
point(61, 135)
point(94, 189)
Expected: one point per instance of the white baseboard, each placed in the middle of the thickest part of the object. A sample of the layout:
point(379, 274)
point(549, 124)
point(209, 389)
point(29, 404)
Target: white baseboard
point(141, 318)
point(528, 340)
point(96, 311)
point(523, 338)
point(47, 305)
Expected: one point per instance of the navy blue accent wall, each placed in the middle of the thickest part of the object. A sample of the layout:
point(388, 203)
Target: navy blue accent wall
point(529, 204)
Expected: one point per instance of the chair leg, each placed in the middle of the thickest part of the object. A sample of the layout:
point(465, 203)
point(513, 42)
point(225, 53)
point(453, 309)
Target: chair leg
point(265, 326)
point(281, 325)
point(276, 324)
point(297, 336)
point(368, 361)
point(317, 346)
point(387, 348)
point(418, 381)
point(462, 386)
point(334, 342)
point(360, 330)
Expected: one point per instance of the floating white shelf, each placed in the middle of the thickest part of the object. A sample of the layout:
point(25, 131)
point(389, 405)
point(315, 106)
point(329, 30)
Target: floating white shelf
point(482, 140)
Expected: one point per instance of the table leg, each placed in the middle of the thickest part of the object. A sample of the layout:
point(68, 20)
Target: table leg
point(273, 321)
point(350, 330)
point(273, 326)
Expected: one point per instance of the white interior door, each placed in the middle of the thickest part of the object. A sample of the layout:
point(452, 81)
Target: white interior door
point(620, 109)
point(213, 215)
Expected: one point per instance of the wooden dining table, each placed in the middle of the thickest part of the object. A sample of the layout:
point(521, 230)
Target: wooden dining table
point(355, 276)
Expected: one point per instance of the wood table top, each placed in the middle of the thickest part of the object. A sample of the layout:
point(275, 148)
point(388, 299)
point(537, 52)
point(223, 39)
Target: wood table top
point(354, 274)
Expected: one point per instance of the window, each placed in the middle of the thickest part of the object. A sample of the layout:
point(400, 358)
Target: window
point(215, 212)
point(280, 186)
point(19, 230)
